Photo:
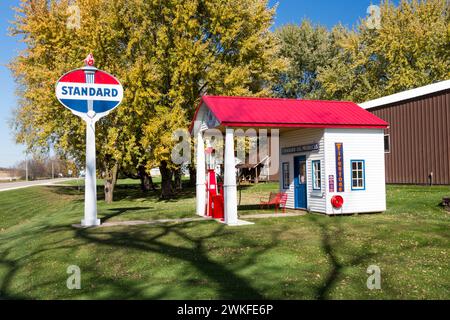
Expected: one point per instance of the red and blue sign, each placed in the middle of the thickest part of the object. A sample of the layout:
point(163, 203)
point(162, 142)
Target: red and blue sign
point(331, 183)
point(89, 90)
point(340, 167)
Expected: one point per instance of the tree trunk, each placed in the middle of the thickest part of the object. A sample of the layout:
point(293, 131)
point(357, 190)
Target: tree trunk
point(192, 176)
point(166, 181)
point(146, 180)
point(110, 182)
point(177, 179)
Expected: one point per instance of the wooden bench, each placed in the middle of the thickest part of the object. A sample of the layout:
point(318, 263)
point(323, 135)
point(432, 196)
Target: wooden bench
point(276, 199)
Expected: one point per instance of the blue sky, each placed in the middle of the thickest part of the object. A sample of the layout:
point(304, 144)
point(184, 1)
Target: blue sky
point(325, 12)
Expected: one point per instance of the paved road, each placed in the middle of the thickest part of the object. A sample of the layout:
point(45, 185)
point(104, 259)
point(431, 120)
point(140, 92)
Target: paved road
point(24, 184)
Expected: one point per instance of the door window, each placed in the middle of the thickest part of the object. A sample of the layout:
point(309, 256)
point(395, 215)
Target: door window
point(302, 174)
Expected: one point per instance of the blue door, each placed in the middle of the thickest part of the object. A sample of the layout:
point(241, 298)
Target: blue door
point(300, 182)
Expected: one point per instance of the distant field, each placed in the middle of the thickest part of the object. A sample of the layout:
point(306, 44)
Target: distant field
point(307, 257)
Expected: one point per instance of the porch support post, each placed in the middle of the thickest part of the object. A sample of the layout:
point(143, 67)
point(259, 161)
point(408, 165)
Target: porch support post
point(230, 189)
point(201, 175)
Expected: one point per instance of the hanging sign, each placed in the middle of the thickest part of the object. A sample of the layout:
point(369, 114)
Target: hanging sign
point(90, 94)
point(339, 146)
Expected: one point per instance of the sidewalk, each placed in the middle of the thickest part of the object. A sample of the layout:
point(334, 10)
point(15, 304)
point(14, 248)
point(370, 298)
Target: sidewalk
point(143, 222)
point(162, 221)
point(6, 186)
point(273, 215)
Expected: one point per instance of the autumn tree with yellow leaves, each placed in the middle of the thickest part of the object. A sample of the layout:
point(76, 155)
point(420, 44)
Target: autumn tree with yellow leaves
point(409, 48)
point(167, 53)
point(398, 47)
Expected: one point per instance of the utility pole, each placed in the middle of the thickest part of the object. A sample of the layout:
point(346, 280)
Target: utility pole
point(26, 166)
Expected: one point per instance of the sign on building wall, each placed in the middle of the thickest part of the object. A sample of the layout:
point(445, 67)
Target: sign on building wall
point(331, 183)
point(297, 149)
point(339, 146)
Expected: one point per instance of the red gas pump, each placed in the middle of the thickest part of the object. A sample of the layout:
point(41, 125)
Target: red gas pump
point(215, 201)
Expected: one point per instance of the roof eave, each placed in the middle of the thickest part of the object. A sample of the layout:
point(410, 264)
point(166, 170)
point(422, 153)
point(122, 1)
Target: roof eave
point(304, 125)
point(407, 95)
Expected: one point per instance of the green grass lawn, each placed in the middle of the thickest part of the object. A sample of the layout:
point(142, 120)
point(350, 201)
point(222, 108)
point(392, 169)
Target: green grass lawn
point(306, 257)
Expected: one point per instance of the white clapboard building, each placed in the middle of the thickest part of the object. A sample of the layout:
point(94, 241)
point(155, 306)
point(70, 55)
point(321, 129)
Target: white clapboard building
point(330, 154)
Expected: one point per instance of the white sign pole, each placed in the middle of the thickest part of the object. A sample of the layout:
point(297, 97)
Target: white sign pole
point(100, 98)
point(90, 192)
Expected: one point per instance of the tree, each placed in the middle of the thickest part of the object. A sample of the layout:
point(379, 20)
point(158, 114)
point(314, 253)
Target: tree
point(411, 48)
point(306, 47)
point(43, 166)
point(202, 47)
point(53, 48)
point(166, 54)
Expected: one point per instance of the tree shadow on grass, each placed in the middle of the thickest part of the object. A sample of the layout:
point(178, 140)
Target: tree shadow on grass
point(119, 211)
point(333, 241)
point(65, 190)
point(230, 284)
point(181, 241)
point(331, 235)
point(123, 192)
point(92, 278)
point(257, 207)
point(11, 269)
point(14, 265)
point(185, 243)
point(250, 207)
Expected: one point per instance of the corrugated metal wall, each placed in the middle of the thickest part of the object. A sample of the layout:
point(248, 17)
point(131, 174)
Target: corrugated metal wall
point(419, 139)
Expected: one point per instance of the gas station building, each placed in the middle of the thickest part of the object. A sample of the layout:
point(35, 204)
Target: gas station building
point(331, 154)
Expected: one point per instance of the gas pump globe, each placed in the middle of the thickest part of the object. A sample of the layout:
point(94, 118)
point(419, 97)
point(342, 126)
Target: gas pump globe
point(214, 201)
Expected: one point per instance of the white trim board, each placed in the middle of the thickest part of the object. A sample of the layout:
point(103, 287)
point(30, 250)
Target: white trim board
point(406, 95)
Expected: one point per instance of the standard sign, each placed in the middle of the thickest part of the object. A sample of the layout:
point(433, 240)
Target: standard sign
point(90, 94)
point(81, 89)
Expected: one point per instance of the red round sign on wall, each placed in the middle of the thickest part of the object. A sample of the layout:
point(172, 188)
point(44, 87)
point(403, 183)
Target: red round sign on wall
point(337, 202)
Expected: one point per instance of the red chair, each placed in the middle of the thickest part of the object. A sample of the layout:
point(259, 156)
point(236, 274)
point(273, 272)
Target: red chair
point(276, 199)
point(283, 200)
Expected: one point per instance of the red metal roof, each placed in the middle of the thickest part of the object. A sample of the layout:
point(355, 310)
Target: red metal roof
point(272, 112)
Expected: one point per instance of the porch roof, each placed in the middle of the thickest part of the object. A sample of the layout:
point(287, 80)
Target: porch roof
point(288, 113)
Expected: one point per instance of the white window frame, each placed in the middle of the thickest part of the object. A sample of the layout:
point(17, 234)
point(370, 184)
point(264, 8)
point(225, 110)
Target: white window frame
point(286, 176)
point(316, 178)
point(360, 175)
